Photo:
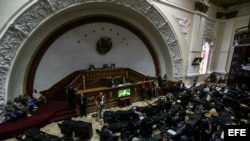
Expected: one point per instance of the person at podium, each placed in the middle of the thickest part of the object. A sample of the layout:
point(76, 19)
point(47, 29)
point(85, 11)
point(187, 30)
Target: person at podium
point(123, 81)
point(112, 83)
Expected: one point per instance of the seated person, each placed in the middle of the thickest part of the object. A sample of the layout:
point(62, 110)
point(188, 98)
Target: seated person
point(22, 107)
point(107, 134)
point(38, 97)
point(146, 126)
point(11, 112)
point(123, 81)
point(27, 100)
point(212, 112)
point(137, 110)
point(188, 133)
point(169, 97)
point(112, 82)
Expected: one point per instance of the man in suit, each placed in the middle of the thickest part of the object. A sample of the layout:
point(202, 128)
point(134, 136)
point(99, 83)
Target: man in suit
point(112, 83)
point(123, 81)
point(71, 96)
point(181, 86)
point(82, 104)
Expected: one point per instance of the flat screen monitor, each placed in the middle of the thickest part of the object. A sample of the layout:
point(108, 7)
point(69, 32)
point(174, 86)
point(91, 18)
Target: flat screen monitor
point(196, 61)
point(124, 92)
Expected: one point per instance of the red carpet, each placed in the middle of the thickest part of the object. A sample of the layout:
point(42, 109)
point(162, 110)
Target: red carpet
point(53, 110)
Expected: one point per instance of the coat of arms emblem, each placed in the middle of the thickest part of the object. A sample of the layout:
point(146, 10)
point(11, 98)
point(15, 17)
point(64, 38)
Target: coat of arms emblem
point(104, 45)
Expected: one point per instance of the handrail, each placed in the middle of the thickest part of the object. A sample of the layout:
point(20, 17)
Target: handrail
point(60, 85)
point(75, 80)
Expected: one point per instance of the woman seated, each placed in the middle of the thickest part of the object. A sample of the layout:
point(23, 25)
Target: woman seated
point(28, 101)
point(22, 107)
point(11, 112)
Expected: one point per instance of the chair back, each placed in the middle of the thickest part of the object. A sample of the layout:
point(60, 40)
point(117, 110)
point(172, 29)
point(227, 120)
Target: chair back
point(98, 132)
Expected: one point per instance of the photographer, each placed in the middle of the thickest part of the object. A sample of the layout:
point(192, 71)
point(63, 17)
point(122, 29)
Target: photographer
point(99, 103)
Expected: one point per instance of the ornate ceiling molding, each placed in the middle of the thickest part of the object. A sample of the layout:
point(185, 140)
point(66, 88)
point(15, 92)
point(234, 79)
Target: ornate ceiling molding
point(40, 11)
point(184, 25)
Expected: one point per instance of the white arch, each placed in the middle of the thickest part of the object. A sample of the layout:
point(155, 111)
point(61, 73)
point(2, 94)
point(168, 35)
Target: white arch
point(23, 37)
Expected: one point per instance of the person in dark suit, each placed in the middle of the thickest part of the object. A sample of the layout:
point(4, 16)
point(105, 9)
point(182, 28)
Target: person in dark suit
point(107, 134)
point(123, 81)
point(71, 96)
point(181, 86)
point(188, 133)
point(112, 82)
point(82, 105)
point(146, 126)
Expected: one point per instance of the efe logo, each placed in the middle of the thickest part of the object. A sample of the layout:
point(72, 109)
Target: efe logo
point(240, 132)
point(237, 132)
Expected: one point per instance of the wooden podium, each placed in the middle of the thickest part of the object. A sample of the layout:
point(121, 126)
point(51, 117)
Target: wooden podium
point(122, 102)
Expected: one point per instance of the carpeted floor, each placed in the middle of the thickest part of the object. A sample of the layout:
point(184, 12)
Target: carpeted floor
point(48, 113)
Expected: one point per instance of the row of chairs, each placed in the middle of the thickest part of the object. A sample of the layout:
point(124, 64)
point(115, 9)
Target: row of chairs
point(81, 129)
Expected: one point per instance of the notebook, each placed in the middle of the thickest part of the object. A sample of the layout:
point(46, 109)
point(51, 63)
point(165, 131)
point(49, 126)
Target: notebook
point(179, 125)
point(171, 132)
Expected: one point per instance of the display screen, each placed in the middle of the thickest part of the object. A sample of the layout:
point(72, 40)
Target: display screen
point(123, 92)
point(197, 61)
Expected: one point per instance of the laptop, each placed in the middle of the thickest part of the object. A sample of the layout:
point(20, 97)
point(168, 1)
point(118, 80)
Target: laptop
point(179, 125)
point(141, 118)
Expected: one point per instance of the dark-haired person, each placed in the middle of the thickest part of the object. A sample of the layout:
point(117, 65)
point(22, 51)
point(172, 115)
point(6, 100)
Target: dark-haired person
point(123, 81)
point(21, 107)
point(181, 86)
point(143, 88)
point(71, 96)
point(188, 133)
point(81, 101)
point(150, 90)
point(107, 134)
point(112, 82)
point(11, 112)
point(195, 81)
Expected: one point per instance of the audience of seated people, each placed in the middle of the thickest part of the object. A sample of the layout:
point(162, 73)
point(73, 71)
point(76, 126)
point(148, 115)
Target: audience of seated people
point(22, 106)
point(204, 112)
point(205, 109)
point(12, 112)
point(27, 100)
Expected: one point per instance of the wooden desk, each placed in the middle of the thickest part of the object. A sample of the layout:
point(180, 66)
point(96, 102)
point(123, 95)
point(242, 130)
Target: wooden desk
point(122, 102)
point(111, 96)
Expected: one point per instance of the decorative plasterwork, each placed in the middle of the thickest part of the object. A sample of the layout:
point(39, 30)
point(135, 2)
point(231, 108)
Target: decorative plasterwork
point(20, 29)
point(209, 29)
point(184, 25)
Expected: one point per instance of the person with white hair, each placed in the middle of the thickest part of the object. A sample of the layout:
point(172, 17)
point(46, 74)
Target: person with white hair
point(41, 99)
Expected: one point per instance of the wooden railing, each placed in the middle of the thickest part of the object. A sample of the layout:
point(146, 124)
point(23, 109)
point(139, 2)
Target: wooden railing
point(77, 82)
point(88, 79)
point(61, 85)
